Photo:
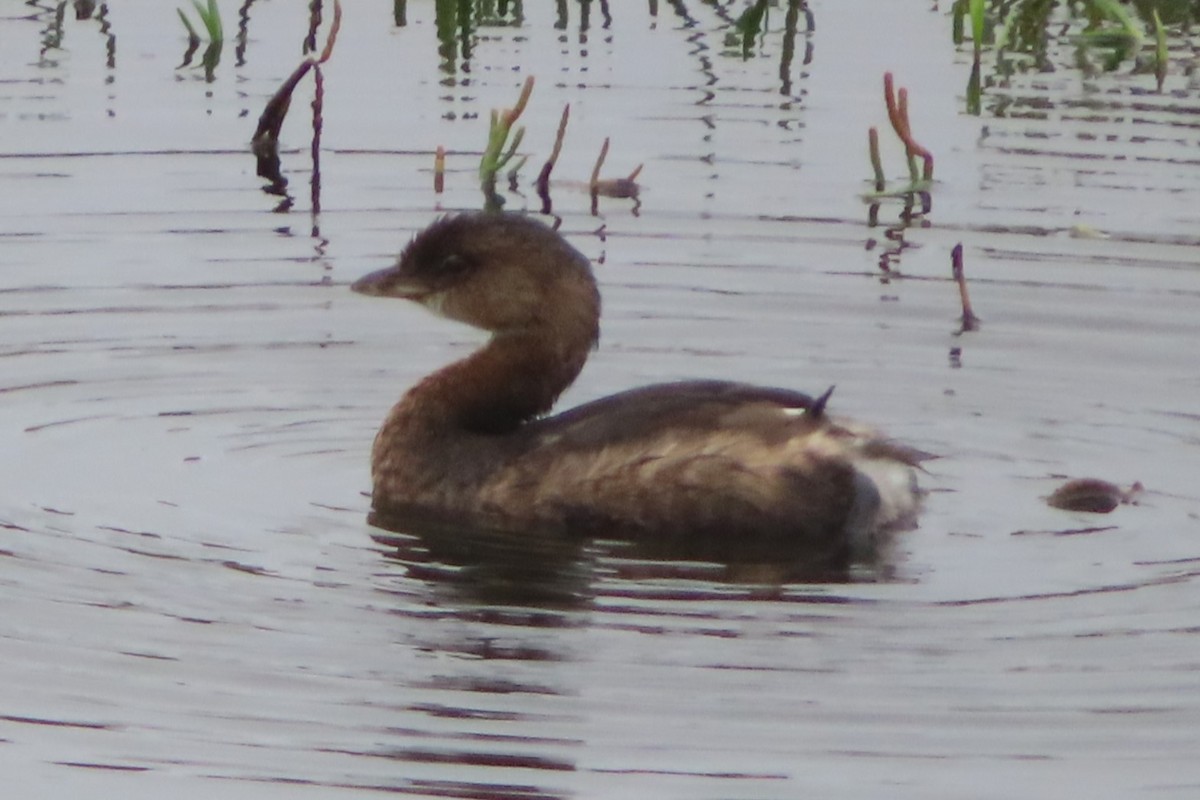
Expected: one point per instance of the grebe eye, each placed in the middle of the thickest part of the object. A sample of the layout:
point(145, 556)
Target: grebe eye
point(453, 264)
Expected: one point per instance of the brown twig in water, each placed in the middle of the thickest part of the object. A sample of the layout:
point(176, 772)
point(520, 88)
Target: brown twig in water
point(543, 179)
point(439, 170)
point(970, 322)
point(595, 181)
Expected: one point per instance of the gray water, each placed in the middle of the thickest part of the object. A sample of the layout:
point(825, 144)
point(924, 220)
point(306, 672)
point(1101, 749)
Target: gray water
point(194, 603)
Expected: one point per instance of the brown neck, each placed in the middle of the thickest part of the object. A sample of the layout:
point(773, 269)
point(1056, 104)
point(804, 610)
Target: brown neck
point(512, 379)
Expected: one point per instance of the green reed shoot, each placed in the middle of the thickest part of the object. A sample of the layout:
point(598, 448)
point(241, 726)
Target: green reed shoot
point(976, 9)
point(1160, 50)
point(499, 149)
point(193, 37)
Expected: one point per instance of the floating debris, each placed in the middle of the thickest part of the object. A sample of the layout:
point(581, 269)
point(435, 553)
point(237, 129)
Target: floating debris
point(1093, 495)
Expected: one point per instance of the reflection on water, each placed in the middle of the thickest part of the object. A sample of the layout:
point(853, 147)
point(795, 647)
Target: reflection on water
point(524, 566)
point(193, 600)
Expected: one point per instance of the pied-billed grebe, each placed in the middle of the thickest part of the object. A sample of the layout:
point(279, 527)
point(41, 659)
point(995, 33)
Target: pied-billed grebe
point(714, 461)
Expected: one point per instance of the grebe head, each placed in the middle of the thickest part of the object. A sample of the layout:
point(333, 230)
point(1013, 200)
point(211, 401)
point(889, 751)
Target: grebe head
point(501, 272)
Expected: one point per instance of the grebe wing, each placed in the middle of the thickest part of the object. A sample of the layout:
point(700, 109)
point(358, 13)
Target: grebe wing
point(694, 409)
point(683, 404)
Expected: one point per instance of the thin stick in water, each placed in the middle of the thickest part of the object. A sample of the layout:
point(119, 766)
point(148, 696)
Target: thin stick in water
point(970, 322)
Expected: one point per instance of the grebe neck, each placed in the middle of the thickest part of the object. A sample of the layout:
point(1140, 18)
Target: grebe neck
point(516, 376)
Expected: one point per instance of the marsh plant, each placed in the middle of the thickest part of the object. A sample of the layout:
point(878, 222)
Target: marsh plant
point(503, 139)
point(919, 178)
point(1104, 34)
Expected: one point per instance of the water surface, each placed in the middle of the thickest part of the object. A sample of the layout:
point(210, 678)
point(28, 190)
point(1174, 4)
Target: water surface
point(193, 600)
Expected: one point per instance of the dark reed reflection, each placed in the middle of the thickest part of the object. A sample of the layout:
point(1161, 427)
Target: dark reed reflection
point(914, 212)
point(459, 25)
point(53, 31)
point(457, 22)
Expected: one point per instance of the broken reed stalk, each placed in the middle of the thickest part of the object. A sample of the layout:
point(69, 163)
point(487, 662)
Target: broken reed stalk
point(970, 322)
point(594, 183)
point(439, 170)
point(898, 116)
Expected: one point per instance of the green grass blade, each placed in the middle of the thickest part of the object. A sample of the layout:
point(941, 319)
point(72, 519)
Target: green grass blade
point(187, 24)
point(977, 23)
